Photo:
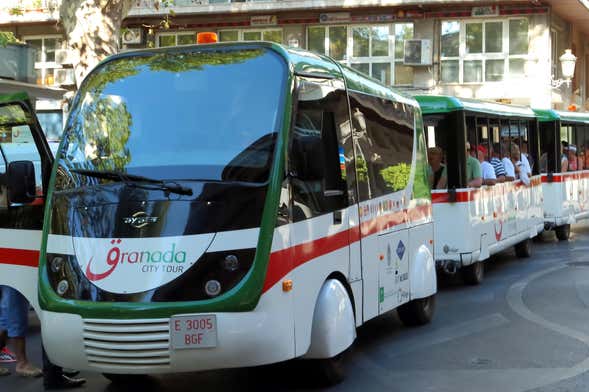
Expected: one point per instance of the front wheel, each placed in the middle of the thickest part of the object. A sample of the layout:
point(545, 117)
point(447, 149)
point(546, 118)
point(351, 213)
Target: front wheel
point(524, 249)
point(330, 371)
point(473, 274)
point(417, 312)
point(563, 232)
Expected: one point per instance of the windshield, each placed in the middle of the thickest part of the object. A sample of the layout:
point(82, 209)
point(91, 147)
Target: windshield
point(195, 114)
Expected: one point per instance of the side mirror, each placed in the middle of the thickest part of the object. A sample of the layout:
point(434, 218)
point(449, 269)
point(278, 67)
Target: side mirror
point(21, 182)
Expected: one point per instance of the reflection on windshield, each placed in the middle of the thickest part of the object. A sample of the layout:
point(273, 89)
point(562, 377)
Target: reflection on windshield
point(194, 114)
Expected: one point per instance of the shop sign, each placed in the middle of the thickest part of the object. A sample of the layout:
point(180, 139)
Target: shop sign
point(490, 10)
point(373, 18)
point(335, 17)
point(263, 20)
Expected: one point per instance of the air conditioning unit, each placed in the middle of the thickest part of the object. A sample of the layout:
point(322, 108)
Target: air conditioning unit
point(64, 57)
point(418, 52)
point(64, 77)
point(132, 36)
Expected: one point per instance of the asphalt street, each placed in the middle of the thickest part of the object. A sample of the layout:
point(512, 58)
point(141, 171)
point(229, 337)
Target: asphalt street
point(526, 328)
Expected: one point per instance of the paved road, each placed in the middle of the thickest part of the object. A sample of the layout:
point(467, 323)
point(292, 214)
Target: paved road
point(526, 328)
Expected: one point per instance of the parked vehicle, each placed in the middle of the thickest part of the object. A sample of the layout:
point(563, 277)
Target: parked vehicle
point(483, 219)
point(564, 143)
point(270, 204)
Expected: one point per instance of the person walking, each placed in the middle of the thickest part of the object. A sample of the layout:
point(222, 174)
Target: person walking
point(14, 317)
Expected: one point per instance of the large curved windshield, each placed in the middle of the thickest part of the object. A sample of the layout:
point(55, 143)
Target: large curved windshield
point(191, 114)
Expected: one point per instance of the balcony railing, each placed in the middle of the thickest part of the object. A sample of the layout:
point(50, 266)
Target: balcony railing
point(17, 7)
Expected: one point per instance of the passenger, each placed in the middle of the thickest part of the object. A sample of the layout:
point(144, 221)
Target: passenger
point(581, 159)
point(572, 157)
point(520, 169)
point(524, 159)
point(436, 171)
point(497, 164)
point(487, 170)
point(564, 161)
point(529, 161)
point(14, 316)
point(473, 170)
point(507, 164)
point(586, 157)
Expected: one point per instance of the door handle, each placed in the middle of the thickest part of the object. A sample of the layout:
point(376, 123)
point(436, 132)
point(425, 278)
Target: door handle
point(337, 217)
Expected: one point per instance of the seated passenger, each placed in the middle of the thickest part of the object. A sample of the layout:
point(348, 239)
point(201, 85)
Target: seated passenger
point(526, 158)
point(572, 157)
point(581, 159)
point(487, 170)
point(564, 161)
point(436, 171)
point(507, 163)
point(473, 170)
point(497, 164)
point(520, 169)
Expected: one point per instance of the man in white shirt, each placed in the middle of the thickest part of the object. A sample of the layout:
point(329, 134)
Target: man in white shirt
point(509, 168)
point(487, 171)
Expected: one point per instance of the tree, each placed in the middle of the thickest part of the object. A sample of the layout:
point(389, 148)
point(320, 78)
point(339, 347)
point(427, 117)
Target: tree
point(92, 28)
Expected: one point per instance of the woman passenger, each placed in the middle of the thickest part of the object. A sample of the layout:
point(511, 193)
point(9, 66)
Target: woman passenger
point(436, 171)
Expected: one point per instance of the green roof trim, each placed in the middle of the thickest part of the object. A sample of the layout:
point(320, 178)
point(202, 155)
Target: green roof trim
point(437, 104)
point(545, 115)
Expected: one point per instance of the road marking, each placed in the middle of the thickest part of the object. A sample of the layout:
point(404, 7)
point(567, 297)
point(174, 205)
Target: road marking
point(516, 302)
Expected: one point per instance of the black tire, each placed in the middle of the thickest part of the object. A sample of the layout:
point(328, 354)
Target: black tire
point(331, 371)
point(473, 274)
point(524, 248)
point(563, 232)
point(417, 312)
point(125, 379)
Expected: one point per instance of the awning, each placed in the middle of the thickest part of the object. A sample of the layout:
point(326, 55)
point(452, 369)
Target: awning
point(33, 90)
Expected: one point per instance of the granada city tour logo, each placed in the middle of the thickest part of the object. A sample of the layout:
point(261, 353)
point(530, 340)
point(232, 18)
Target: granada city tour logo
point(146, 261)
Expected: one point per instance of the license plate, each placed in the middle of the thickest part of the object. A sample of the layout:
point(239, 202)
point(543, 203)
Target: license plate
point(193, 331)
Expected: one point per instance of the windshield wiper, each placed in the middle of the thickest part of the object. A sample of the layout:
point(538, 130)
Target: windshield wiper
point(134, 180)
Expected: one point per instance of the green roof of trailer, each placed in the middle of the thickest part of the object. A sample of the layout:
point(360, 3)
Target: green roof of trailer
point(301, 62)
point(4, 98)
point(545, 115)
point(436, 104)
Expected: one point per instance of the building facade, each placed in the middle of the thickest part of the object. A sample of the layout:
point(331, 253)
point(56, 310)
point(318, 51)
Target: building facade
point(505, 51)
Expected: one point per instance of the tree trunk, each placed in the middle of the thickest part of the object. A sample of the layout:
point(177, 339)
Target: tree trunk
point(92, 28)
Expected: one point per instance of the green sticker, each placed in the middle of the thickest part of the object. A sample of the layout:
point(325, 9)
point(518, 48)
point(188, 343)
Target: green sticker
point(381, 294)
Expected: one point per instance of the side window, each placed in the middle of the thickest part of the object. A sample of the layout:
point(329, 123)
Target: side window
point(317, 157)
point(383, 140)
point(16, 144)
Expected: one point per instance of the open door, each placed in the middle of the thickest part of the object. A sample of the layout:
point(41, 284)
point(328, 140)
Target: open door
point(25, 166)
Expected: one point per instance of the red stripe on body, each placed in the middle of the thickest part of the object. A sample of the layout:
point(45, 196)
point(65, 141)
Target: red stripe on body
point(564, 177)
point(283, 261)
point(27, 258)
point(463, 196)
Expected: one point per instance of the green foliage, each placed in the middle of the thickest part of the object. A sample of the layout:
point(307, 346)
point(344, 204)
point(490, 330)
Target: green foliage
point(421, 189)
point(361, 169)
point(13, 114)
point(107, 127)
point(397, 176)
point(7, 37)
point(178, 62)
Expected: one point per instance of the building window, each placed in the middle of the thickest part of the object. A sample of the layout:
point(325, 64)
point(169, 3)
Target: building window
point(272, 35)
point(176, 38)
point(45, 57)
point(483, 50)
point(376, 50)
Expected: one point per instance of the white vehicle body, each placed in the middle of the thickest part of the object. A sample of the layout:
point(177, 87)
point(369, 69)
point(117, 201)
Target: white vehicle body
point(484, 221)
